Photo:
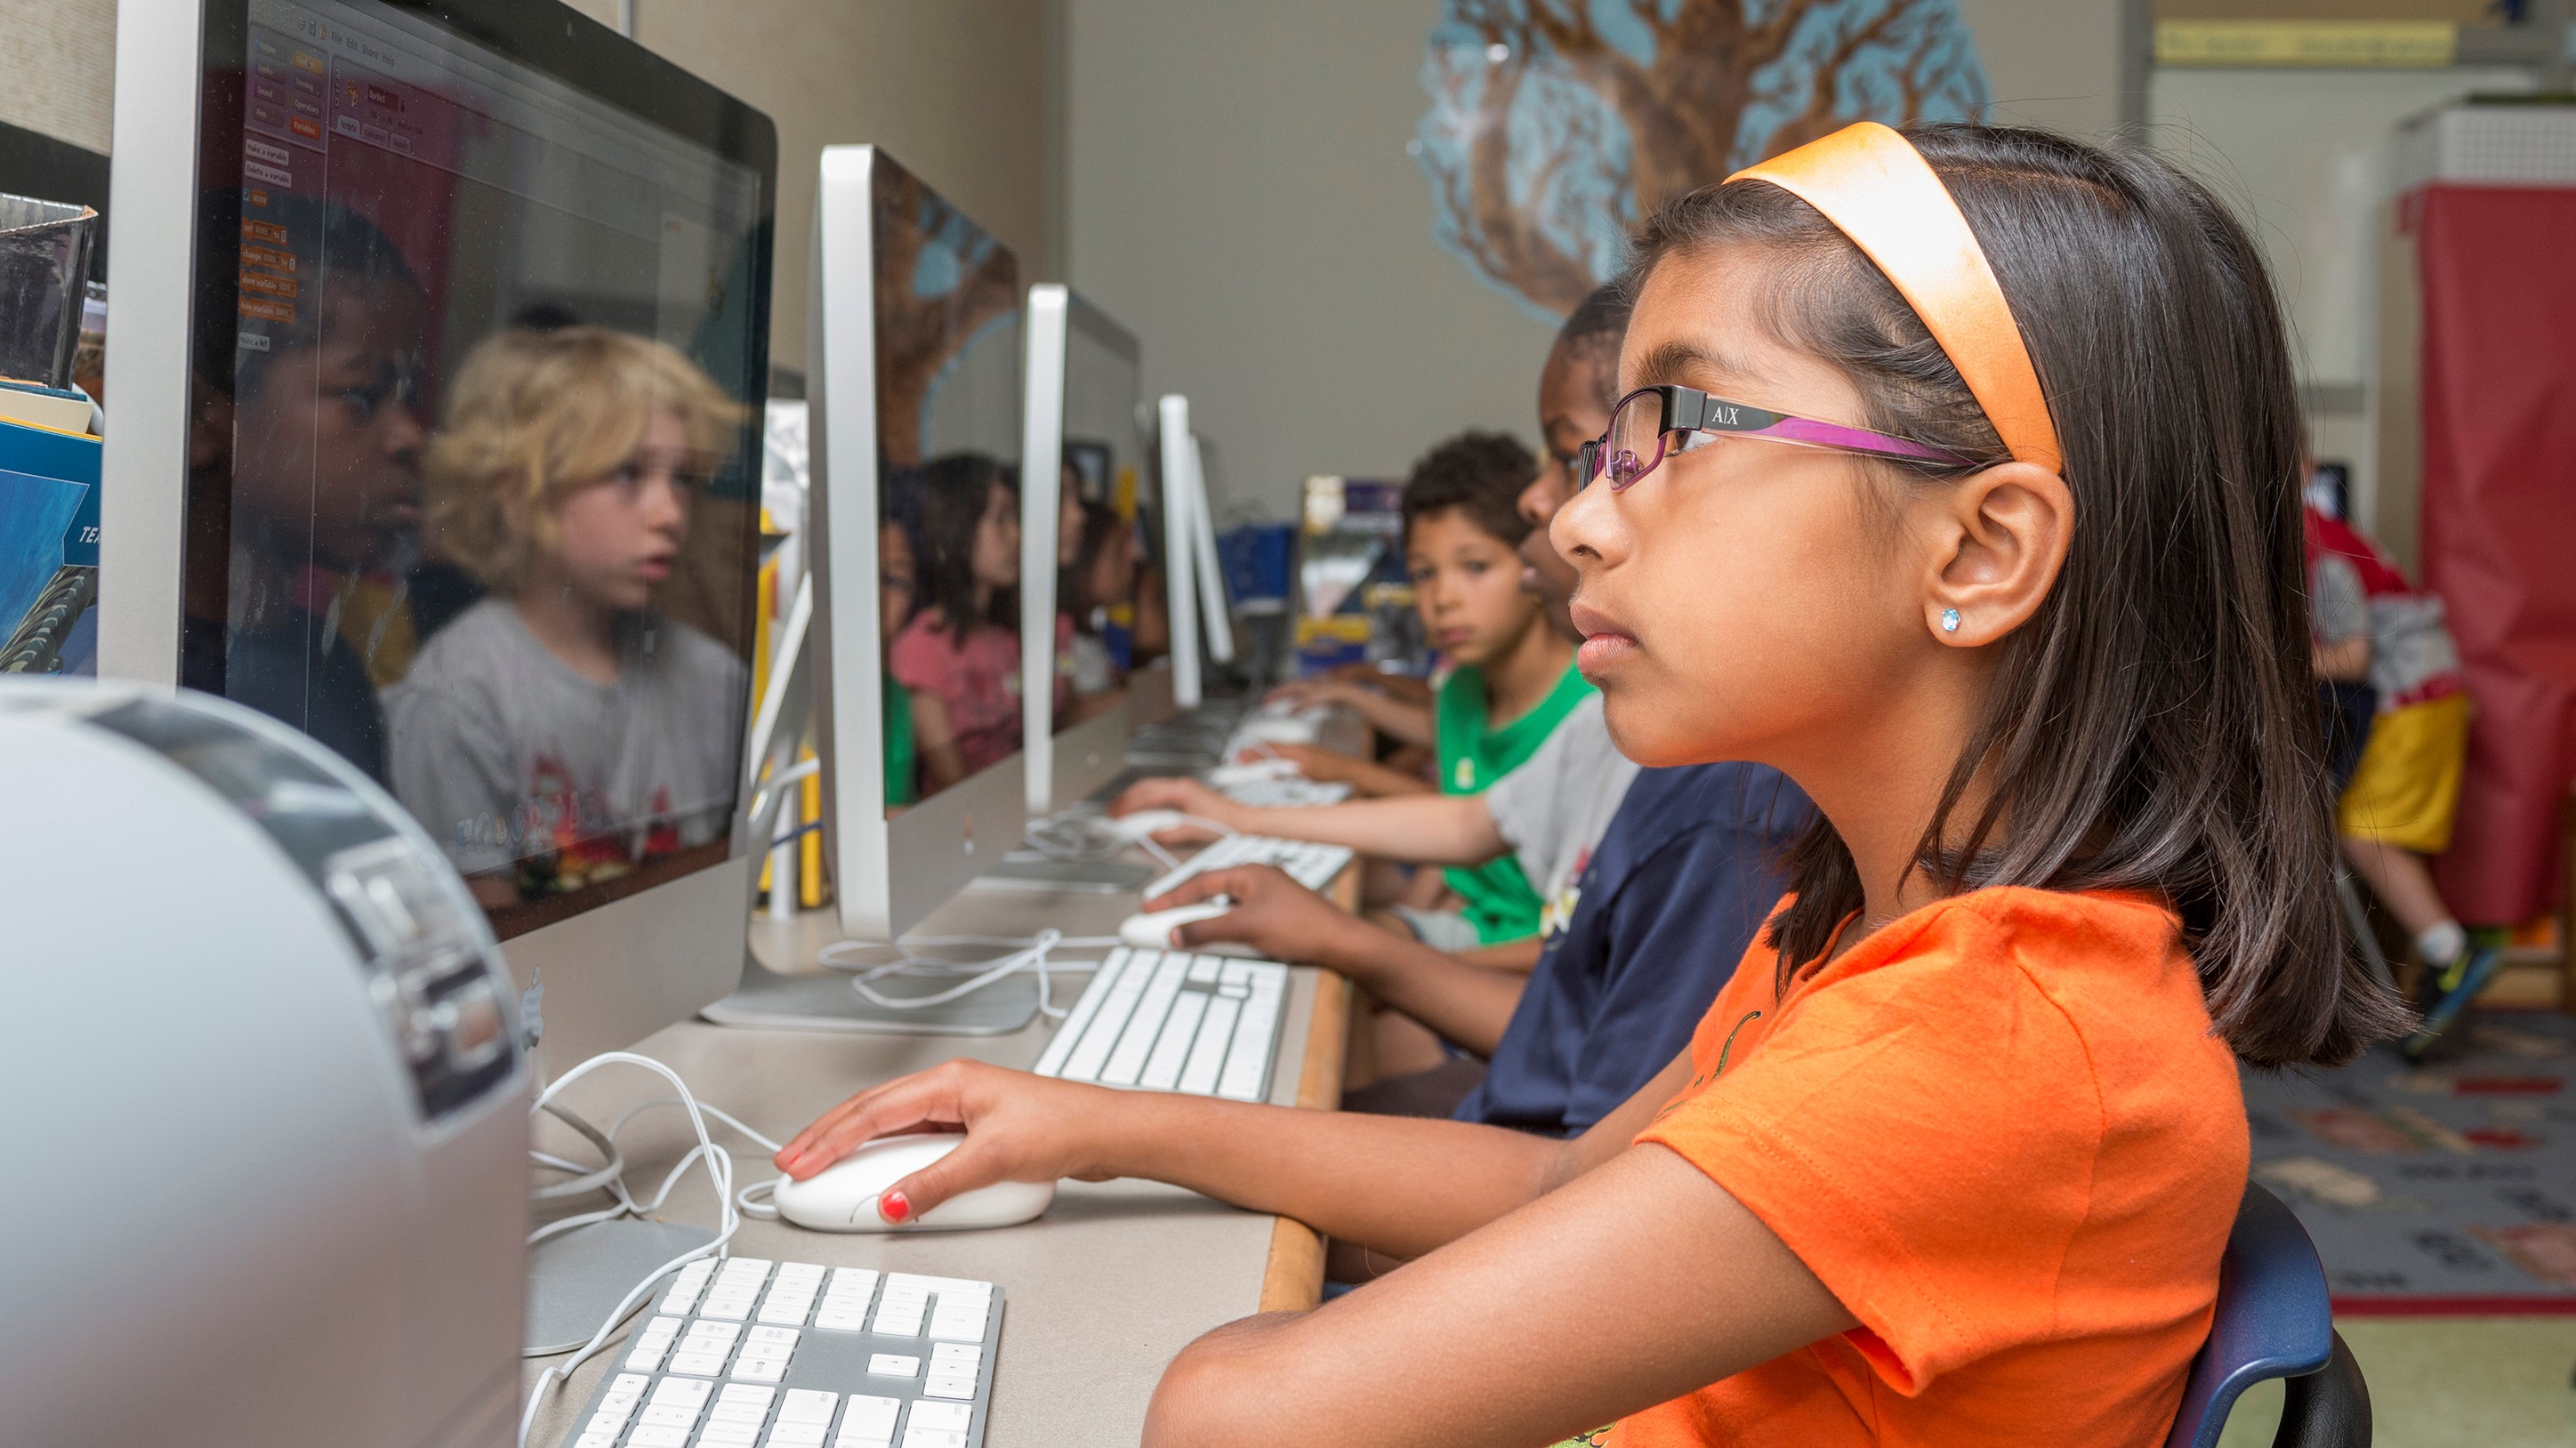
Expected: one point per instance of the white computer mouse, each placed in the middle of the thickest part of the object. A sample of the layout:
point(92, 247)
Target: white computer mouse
point(843, 1196)
point(1146, 823)
point(1152, 929)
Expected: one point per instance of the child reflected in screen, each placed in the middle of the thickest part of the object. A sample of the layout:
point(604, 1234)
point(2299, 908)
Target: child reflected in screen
point(959, 657)
point(898, 585)
point(562, 731)
point(1097, 571)
point(311, 447)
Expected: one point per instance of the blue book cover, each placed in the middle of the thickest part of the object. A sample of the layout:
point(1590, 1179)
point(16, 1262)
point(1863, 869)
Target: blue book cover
point(48, 523)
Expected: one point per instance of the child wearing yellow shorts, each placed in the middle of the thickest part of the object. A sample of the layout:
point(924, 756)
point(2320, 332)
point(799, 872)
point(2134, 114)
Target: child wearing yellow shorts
point(2405, 790)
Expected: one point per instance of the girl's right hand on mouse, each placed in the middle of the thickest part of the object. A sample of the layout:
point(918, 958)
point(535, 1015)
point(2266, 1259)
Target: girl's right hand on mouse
point(1018, 1127)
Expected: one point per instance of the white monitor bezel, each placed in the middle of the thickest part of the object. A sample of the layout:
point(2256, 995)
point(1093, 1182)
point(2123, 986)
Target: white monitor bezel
point(614, 973)
point(1095, 748)
point(887, 874)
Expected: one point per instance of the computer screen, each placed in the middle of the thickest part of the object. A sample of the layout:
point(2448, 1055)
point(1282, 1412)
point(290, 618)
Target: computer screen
point(479, 344)
point(1101, 560)
point(947, 305)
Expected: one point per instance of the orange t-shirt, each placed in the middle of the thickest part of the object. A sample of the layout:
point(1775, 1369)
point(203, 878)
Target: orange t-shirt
point(2002, 1132)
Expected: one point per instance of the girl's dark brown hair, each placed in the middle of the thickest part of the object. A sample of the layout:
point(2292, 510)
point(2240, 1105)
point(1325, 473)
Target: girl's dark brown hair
point(2154, 726)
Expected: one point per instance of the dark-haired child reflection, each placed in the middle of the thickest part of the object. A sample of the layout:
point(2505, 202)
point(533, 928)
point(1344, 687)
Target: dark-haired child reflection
point(323, 485)
point(960, 655)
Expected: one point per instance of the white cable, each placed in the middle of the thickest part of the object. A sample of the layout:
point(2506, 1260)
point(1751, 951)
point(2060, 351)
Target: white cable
point(1027, 953)
point(719, 1167)
point(763, 1205)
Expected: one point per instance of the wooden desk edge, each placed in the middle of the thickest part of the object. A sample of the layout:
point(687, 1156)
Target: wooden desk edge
point(1293, 1278)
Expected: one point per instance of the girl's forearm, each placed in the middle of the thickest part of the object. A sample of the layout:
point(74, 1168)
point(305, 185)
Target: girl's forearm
point(1421, 829)
point(1398, 1185)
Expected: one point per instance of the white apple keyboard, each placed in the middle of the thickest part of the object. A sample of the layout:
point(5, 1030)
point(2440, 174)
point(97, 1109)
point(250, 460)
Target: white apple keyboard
point(824, 1357)
point(1286, 793)
point(1168, 1020)
point(1309, 864)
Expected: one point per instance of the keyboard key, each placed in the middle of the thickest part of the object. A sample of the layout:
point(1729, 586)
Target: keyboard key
point(1203, 970)
point(613, 1424)
point(658, 1438)
point(805, 1405)
point(746, 1395)
point(732, 1309)
point(796, 1435)
point(970, 1355)
point(729, 1435)
point(692, 1391)
point(646, 1358)
point(932, 1438)
point(893, 1365)
point(1127, 1062)
point(720, 1333)
point(698, 1364)
point(670, 1415)
point(831, 1321)
point(770, 1352)
point(946, 1417)
point(866, 1416)
point(596, 1440)
point(786, 1335)
point(761, 1370)
point(1091, 1053)
point(962, 1389)
point(1052, 1061)
point(630, 1383)
point(1180, 1029)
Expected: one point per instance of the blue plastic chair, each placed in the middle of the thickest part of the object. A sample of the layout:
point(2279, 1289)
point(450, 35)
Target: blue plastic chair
point(2274, 1321)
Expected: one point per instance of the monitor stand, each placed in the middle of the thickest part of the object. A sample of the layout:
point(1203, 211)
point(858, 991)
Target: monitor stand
point(767, 1000)
point(576, 1280)
point(1038, 870)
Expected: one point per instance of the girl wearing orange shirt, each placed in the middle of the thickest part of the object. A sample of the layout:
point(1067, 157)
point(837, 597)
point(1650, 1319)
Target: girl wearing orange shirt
point(1957, 478)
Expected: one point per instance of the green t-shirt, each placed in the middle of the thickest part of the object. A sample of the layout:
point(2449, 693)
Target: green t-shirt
point(898, 744)
point(1501, 902)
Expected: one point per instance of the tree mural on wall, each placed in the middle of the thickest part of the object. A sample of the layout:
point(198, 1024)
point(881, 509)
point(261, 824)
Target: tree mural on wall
point(1556, 125)
point(940, 280)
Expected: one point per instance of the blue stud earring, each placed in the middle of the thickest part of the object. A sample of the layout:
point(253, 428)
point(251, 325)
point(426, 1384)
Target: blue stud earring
point(1949, 620)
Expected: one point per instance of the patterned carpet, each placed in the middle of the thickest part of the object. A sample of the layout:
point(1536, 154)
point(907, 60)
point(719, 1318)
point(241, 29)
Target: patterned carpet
point(2448, 1187)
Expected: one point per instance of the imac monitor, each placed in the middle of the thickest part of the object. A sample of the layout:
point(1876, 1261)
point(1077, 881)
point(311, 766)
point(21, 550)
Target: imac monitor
point(441, 332)
point(1196, 582)
point(915, 651)
point(1089, 623)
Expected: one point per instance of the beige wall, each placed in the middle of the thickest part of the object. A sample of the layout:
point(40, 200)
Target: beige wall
point(1240, 196)
point(956, 89)
point(56, 70)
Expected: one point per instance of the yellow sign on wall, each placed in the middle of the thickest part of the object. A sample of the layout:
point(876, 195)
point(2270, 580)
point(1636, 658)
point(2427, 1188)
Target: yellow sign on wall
point(2402, 43)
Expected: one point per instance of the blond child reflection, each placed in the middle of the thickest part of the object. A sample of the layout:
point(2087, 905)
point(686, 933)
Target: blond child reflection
point(562, 732)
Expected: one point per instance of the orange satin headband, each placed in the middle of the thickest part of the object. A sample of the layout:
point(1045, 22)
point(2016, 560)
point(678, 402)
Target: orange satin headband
point(1872, 184)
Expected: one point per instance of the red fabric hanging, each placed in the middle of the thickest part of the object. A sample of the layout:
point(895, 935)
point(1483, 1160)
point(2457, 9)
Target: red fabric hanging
point(2498, 272)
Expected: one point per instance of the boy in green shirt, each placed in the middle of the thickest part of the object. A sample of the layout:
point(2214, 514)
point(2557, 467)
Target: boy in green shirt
point(1513, 678)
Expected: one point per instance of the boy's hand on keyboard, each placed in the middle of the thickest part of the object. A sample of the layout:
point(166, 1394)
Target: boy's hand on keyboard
point(1019, 1128)
point(1186, 795)
point(1272, 913)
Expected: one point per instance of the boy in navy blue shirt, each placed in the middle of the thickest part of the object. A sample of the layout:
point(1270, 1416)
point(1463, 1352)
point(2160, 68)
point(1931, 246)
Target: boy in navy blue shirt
point(1648, 923)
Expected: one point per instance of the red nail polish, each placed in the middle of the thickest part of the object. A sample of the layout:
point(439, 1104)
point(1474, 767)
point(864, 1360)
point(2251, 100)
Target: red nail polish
point(893, 1207)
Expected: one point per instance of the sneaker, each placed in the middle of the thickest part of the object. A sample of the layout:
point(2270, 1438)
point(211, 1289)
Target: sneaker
point(2452, 988)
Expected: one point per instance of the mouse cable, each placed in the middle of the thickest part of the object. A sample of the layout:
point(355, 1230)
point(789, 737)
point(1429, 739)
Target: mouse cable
point(1027, 953)
point(719, 1168)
